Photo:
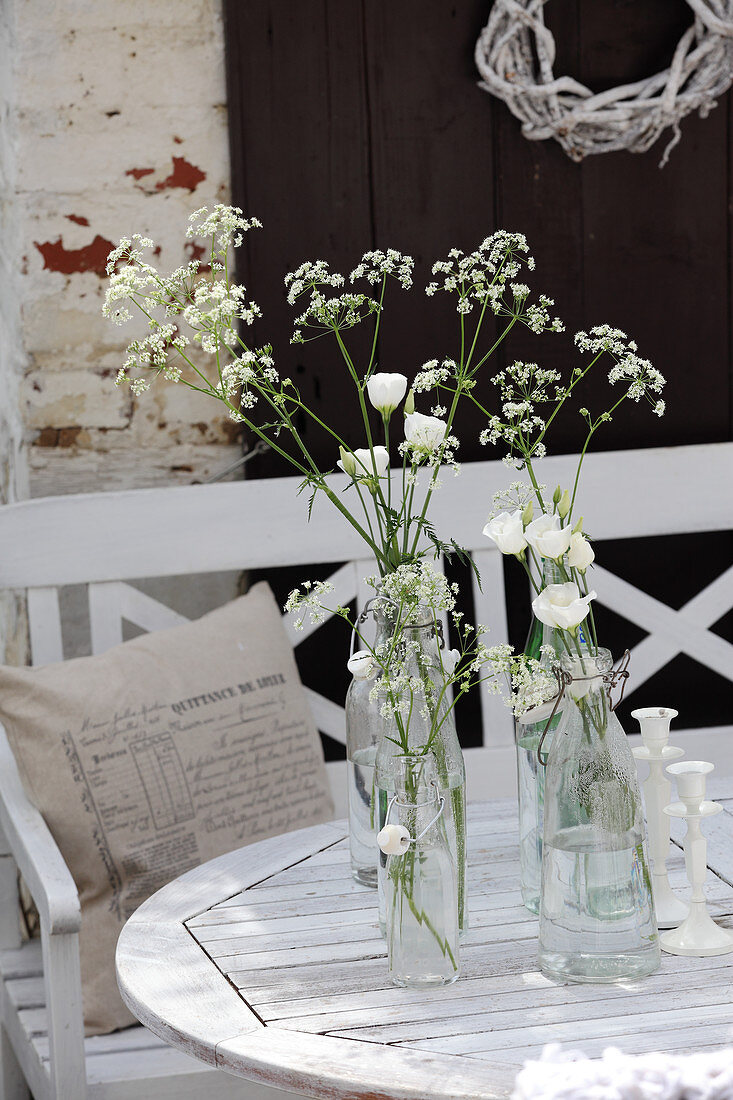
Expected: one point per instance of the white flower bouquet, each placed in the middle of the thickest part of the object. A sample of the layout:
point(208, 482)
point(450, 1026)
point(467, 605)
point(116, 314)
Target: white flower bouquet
point(201, 305)
point(531, 399)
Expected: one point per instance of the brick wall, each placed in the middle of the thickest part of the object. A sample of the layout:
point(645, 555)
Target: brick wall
point(112, 121)
point(13, 466)
point(119, 127)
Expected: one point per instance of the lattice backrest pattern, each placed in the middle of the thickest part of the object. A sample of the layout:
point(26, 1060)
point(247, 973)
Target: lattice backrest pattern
point(111, 602)
point(251, 525)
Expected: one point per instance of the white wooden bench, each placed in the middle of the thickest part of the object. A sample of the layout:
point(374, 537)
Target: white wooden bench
point(106, 540)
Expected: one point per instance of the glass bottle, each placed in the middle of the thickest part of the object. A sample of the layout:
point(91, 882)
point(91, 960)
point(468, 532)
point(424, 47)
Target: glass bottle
point(597, 919)
point(364, 728)
point(527, 731)
point(420, 881)
point(429, 721)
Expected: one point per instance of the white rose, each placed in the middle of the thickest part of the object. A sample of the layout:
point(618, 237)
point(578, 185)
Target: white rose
point(562, 605)
point(507, 531)
point(386, 391)
point(547, 536)
point(580, 555)
point(451, 657)
point(585, 678)
point(394, 840)
point(359, 463)
point(425, 432)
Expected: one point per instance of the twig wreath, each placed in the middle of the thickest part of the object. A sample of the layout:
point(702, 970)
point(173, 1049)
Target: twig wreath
point(515, 54)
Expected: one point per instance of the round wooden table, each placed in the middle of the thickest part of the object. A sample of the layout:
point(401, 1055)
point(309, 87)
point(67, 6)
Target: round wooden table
point(269, 964)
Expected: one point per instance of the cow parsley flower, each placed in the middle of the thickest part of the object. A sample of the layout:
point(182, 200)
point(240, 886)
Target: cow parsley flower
point(225, 224)
point(333, 314)
point(488, 277)
point(643, 380)
point(431, 375)
point(415, 587)
point(307, 601)
point(374, 266)
point(309, 276)
point(513, 499)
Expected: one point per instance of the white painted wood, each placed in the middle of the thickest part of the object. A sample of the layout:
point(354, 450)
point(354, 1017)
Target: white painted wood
point(132, 1064)
point(250, 524)
point(44, 620)
point(105, 615)
point(95, 539)
point(701, 611)
point(344, 591)
point(34, 849)
point(12, 1080)
point(656, 617)
point(62, 979)
point(327, 715)
point(230, 874)
point(336, 773)
point(490, 611)
point(330, 1068)
point(195, 1004)
point(364, 567)
point(144, 611)
point(9, 901)
point(299, 940)
point(636, 493)
point(34, 1071)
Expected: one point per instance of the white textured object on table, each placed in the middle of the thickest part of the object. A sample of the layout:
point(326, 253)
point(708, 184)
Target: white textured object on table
point(565, 1075)
point(268, 963)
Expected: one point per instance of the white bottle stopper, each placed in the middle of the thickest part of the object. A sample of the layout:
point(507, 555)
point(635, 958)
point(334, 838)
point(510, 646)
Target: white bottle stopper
point(698, 934)
point(394, 840)
point(654, 750)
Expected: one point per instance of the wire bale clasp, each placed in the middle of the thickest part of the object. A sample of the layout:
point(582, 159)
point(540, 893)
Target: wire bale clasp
point(394, 801)
point(369, 609)
point(619, 674)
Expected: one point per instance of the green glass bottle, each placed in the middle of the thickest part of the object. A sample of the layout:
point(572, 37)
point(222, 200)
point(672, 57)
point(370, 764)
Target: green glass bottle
point(530, 774)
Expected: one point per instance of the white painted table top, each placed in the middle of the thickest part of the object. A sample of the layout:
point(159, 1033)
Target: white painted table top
point(268, 963)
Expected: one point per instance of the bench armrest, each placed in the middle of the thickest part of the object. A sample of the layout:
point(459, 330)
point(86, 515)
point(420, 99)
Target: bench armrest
point(35, 851)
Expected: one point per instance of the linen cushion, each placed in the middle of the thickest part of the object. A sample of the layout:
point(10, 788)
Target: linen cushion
point(161, 753)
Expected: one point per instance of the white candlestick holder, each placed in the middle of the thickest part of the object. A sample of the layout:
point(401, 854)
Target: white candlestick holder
point(698, 934)
point(654, 750)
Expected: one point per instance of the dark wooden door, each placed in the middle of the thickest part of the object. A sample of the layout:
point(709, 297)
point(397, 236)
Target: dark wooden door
point(359, 124)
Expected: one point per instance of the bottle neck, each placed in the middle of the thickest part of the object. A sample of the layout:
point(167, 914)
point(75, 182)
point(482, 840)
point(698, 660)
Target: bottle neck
point(540, 634)
point(418, 795)
point(423, 635)
point(588, 687)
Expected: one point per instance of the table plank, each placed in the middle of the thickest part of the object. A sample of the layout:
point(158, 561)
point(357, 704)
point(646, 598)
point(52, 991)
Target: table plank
point(567, 1031)
point(508, 1013)
point(498, 1010)
point(686, 1040)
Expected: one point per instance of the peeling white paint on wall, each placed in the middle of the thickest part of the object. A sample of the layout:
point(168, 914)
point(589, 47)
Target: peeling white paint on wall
point(112, 121)
point(13, 467)
point(119, 126)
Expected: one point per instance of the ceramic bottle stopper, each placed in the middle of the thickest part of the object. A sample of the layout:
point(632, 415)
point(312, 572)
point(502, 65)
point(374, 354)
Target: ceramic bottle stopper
point(654, 750)
point(698, 934)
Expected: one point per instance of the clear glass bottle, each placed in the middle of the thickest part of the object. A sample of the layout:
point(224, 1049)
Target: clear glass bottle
point(530, 776)
point(428, 721)
point(364, 729)
point(597, 919)
point(420, 883)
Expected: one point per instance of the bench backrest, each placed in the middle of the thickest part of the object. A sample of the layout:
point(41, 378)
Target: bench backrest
point(106, 539)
